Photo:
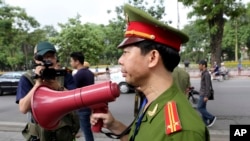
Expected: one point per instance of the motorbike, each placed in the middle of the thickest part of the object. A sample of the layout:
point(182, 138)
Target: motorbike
point(193, 97)
point(225, 75)
point(217, 76)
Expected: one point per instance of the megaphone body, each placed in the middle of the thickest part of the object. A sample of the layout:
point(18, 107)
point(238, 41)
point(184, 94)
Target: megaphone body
point(49, 106)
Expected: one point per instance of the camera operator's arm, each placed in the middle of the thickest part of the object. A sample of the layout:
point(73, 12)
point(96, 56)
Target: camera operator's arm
point(69, 83)
point(110, 123)
point(25, 102)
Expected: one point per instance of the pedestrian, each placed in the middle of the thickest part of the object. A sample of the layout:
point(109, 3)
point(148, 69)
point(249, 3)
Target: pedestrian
point(205, 87)
point(96, 71)
point(108, 72)
point(182, 79)
point(150, 54)
point(45, 53)
point(83, 77)
point(239, 68)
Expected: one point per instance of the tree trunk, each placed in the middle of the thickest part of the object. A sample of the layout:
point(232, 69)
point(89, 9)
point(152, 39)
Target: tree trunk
point(216, 37)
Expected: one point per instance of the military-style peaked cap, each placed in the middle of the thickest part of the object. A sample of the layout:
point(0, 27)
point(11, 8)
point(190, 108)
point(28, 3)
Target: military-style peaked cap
point(141, 26)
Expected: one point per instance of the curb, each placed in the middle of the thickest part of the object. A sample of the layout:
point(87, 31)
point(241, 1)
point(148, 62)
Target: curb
point(219, 132)
point(18, 127)
point(11, 126)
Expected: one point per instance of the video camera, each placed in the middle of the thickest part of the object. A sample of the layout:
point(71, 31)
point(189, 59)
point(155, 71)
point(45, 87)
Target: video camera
point(48, 73)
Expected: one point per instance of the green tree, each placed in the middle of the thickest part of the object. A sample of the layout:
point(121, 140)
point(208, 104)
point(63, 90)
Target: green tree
point(197, 46)
point(75, 36)
point(212, 13)
point(114, 31)
point(236, 35)
point(14, 26)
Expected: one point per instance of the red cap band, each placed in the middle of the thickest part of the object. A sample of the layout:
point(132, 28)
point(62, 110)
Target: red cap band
point(151, 32)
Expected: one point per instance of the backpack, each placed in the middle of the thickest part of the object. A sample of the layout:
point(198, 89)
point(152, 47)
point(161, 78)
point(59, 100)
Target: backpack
point(66, 130)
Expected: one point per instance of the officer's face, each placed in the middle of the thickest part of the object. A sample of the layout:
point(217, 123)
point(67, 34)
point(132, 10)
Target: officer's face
point(134, 66)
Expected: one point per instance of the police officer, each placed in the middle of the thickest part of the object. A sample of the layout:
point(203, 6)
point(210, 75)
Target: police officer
point(182, 79)
point(150, 53)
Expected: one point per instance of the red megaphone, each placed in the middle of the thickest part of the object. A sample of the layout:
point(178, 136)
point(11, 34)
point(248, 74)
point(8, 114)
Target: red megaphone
point(49, 106)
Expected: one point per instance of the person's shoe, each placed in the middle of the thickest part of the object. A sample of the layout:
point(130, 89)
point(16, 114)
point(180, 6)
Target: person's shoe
point(211, 123)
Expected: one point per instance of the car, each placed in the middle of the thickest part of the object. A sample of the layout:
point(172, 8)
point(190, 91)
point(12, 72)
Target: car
point(9, 81)
point(120, 80)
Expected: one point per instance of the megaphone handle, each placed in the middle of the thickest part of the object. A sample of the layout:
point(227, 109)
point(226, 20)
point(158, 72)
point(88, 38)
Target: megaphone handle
point(98, 126)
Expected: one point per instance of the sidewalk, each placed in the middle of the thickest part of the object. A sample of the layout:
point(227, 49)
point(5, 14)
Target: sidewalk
point(16, 136)
point(232, 73)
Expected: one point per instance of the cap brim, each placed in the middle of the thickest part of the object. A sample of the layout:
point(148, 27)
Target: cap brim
point(129, 40)
point(42, 52)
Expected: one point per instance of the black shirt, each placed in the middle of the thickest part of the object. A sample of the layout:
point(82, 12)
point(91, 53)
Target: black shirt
point(84, 77)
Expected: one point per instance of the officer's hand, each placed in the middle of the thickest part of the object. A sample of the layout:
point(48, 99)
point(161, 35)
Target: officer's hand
point(107, 118)
point(205, 99)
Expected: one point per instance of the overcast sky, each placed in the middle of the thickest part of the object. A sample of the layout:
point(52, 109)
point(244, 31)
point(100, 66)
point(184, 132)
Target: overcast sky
point(51, 12)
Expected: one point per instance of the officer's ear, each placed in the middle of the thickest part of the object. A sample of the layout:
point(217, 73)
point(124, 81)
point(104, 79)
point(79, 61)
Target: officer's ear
point(154, 57)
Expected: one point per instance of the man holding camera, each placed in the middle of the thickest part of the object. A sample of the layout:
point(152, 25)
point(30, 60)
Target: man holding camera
point(45, 62)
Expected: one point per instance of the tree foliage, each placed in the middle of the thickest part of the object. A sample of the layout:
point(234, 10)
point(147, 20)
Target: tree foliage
point(75, 36)
point(15, 25)
point(114, 31)
point(197, 46)
point(242, 34)
point(212, 13)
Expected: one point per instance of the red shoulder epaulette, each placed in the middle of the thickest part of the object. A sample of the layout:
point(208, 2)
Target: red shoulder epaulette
point(172, 121)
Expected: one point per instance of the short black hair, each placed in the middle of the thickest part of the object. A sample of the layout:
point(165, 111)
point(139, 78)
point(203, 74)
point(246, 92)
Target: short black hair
point(203, 62)
point(169, 55)
point(77, 56)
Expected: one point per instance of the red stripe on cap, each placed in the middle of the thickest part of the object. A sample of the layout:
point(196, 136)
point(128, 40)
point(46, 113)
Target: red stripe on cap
point(165, 37)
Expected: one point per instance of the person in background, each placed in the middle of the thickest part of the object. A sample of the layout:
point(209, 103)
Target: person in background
point(182, 79)
point(83, 77)
point(223, 68)
point(96, 71)
point(205, 87)
point(108, 72)
point(215, 70)
point(150, 54)
point(239, 68)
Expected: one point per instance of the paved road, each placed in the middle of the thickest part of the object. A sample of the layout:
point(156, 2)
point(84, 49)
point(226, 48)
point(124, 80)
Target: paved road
point(16, 136)
point(231, 106)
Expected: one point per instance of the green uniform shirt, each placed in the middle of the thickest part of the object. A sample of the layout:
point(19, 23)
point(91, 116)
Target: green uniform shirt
point(181, 78)
point(153, 127)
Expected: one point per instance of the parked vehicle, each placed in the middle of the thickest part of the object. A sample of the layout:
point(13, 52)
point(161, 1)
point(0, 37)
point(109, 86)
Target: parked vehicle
point(193, 97)
point(120, 80)
point(9, 81)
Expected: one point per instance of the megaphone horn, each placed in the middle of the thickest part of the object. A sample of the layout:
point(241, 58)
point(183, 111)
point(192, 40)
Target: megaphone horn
point(49, 106)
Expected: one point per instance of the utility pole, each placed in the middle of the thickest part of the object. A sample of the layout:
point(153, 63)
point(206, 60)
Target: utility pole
point(178, 16)
point(236, 40)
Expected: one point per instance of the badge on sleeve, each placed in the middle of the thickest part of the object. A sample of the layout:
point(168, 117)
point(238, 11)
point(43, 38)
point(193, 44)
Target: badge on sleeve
point(172, 121)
